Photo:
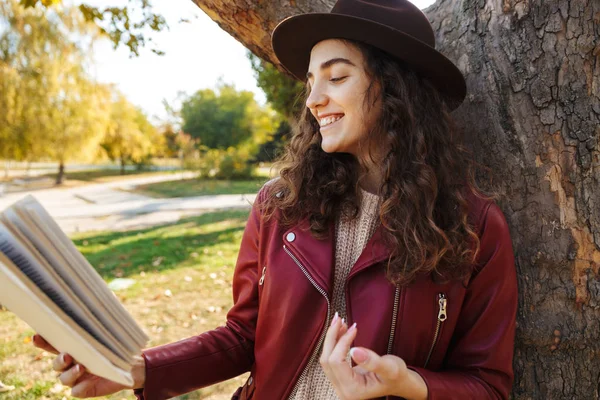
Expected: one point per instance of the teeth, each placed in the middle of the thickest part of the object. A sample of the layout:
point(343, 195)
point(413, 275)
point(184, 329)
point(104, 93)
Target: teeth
point(330, 120)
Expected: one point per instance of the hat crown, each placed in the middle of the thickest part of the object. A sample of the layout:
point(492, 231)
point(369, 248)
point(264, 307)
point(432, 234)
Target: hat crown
point(401, 15)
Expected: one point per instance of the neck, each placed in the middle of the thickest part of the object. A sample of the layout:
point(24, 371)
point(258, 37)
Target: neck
point(371, 179)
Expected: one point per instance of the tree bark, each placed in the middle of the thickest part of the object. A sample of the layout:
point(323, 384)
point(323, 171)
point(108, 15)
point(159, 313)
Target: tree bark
point(61, 173)
point(532, 116)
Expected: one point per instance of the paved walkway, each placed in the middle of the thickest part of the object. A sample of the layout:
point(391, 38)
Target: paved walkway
point(109, 206)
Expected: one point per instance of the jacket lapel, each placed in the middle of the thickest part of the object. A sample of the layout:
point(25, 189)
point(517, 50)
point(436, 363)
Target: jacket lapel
point(315, 255)
point(318, 256)
point(374, 252)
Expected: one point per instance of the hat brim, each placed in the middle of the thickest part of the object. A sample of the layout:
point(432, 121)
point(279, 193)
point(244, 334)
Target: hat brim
point(294, 38)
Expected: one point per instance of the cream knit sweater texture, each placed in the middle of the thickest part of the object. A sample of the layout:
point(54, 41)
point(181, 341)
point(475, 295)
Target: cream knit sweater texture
point(351, 239)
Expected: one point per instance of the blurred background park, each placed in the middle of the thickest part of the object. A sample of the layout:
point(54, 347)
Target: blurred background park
point(146, 131)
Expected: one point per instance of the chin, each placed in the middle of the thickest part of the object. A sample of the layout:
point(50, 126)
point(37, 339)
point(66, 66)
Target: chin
point(330, 147)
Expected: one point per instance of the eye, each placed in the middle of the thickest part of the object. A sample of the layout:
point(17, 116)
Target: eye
point(337, 79)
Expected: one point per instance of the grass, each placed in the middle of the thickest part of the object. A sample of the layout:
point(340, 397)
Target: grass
point(108, 175)
point(196, 187)
point(183, 274)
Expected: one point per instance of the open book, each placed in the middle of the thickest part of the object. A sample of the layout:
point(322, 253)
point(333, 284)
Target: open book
point(48, 283)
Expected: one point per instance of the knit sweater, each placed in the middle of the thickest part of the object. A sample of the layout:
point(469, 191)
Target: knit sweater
point(351, 239)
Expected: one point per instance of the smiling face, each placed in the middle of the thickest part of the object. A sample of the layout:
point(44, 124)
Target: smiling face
point(338, 84)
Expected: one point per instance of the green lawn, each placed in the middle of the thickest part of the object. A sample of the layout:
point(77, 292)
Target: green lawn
point(183, 275)
point(196, 187)
point(107, 175)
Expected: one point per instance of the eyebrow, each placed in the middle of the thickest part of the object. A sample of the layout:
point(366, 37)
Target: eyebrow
point(328, 64)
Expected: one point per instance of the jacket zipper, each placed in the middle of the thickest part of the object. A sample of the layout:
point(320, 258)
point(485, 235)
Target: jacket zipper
point(322, 338)
point(443, 302)
point(262, 278)
point(394, 318)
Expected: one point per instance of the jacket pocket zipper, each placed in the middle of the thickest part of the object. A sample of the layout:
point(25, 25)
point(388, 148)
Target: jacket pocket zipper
point(262, 278)
point(322, 338)
point(394, 318)
point(442, 315)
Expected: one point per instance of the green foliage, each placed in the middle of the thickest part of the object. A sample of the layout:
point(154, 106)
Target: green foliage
point(122, 25)
point(232, 163)
point(282, 92)
point(273, 148)
point(230, 126)
point(224, 118)
point(130, 137)
point(49, 107)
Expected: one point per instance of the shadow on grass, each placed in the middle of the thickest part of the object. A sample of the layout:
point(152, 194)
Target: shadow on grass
point(164, 247)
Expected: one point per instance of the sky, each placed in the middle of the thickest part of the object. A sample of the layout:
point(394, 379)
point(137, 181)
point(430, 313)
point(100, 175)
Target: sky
point(197, 55)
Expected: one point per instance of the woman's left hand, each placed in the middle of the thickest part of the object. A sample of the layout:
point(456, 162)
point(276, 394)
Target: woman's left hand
point(373, 376)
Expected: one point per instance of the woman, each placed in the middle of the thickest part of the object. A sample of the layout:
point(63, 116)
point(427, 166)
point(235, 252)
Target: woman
point(372, 267)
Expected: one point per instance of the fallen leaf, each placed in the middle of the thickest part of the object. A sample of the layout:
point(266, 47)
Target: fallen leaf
point(57, 388)
point(27, 339)
point(157, 261)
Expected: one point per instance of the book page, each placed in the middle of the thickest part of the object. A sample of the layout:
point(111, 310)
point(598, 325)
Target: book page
point(20, 295)
point(17, 248)
point(72, 277)
point(65, 246)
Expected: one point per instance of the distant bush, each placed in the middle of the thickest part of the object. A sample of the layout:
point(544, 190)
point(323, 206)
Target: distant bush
point(233, 163)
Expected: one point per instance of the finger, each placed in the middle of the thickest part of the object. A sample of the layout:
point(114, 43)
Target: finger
point(70, 376)
point(342, 347)
point(330, 339)
point(85, 388)
point(342, 331)
point(340, 368)
point(386, 367)
point(62, 362)
point(41, 343)
point(93, 386)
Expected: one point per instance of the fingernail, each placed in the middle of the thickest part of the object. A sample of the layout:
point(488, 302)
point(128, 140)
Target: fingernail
point(62, 358)
point(335, 318)
point(352, 327)
point(343, 321)
point(358, 355)
point(78, 368)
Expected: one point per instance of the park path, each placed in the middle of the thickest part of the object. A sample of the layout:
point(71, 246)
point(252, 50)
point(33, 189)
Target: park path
point(110, 206)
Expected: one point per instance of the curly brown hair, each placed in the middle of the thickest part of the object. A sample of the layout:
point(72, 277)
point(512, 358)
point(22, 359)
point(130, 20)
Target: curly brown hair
point(427, 176)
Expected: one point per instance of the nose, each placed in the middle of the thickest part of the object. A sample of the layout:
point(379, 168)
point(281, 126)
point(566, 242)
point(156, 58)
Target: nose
point(316, 98)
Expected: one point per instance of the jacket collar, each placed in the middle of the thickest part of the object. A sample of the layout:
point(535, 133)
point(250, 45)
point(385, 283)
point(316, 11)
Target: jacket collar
point(317, 256)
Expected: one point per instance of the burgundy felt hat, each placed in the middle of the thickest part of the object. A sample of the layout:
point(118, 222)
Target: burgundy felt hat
point(395, 26)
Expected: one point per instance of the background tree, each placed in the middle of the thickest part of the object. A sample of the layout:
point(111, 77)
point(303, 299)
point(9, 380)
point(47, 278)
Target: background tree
point(129, 137)
point(225, 117)
point(532, 115)
point(284, 94)
point(122, 25)
point(50, 107)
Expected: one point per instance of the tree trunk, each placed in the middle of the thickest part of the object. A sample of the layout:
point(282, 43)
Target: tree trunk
point(531, 115)
point(61, 173)
point(122, 166)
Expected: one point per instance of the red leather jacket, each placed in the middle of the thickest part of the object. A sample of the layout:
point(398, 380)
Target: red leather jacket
point(457, 336)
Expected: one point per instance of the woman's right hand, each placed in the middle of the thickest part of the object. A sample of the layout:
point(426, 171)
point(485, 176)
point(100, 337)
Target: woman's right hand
point(82, 383)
